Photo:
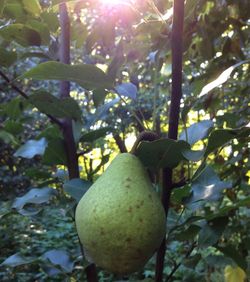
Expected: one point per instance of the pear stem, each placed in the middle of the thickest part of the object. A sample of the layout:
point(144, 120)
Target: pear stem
point(176, 94)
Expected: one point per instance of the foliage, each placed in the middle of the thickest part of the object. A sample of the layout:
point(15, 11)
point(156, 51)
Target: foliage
point(120, 86)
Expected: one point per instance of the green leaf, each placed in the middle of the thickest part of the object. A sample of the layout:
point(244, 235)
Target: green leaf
point(197, 131)
point(7, 58)
point(231, 252)
point(76, 188)
point(32, 6)
point(192, 261)
point(189, 234)
point(192, 155)
point(221, 79)
point(212, 231)
point(51, 105)
point(206, 187)
point(13, 127)
point(87, 76)
point(7, 137)
point(2, 4)
point(55, 153)
point(220, 137)
point(32, 148)
point(95, 134)
point(161, 153)
point(99, 95)
point(21, 33)
point(16, 260)
point(41, 28)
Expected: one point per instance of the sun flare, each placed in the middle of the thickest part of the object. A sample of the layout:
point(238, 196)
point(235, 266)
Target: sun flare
point(114, 2)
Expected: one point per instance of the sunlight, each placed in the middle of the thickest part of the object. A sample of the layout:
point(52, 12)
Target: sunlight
point(115, 2)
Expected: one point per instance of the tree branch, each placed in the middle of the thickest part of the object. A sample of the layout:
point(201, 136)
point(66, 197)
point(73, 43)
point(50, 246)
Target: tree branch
point(120, 143)
point(25, 96)
point(177, 34)
point(70, 146)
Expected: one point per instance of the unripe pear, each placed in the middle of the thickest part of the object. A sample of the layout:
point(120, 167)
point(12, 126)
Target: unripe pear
point(120, 219)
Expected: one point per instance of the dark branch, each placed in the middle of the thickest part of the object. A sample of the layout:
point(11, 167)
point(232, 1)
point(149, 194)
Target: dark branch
point(177, 34)
point(70, 146)
point(25, 96)
point(120, 143)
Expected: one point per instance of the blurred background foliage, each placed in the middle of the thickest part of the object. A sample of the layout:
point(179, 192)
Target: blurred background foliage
point(208, 224)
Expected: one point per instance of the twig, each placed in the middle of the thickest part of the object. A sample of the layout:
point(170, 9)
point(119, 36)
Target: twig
point(177, 34)
point(25, 96)
point(180, 263)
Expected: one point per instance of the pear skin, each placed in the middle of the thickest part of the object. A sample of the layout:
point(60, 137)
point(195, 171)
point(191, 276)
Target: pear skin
point(120, 219)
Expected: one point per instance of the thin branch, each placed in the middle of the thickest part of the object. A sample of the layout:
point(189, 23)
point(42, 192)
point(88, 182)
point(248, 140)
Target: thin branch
point(180, 263)
point(177, 35)
point(25, 96)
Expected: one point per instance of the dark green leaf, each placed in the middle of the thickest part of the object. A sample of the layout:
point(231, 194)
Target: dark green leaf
point(212, 231)
point(55, 153)
point(76, 188)
point(161, 153)
point(231, 252)
point(87, 76)
point(192, 261)
point(220, 137)
point(7, 137)
point(13, 127)
point(51, 105)
point(189, 234)
point(7, 58)
point(33, 7)
point(22, 34)
point(95, 134)
point(99, 95)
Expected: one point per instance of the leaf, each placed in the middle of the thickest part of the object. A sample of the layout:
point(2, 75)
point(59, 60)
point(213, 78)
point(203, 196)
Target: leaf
point(231, 252)
point(95, 134)
point(99, 95)
point(32, 148)
point(34, 196)
point(221, 79)
point(13, 127)
point(33, 7)
point(127, 89)
point(55, 153)
point(7, 137)
point(206, 187)
point(101, 112)
point(161, 153)
point(22, 34)
point(60, 258)
point(192, 261)
point(87, 76)
point(16, 260)
point(189, 234)
point(76, 188)
point(197, 131)
point(212, 231)
point(7, 58)
point(220, 137)
point(51, 105)
point(192, 155)
point(233, 274)
point(2, 4)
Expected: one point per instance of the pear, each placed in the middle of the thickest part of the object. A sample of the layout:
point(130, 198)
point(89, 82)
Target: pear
point(120, 220)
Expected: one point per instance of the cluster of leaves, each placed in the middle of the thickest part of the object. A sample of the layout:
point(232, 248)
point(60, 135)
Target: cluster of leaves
point(209, 217)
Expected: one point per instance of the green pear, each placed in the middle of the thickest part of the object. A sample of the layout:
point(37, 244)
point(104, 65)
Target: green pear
point(120, 219)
